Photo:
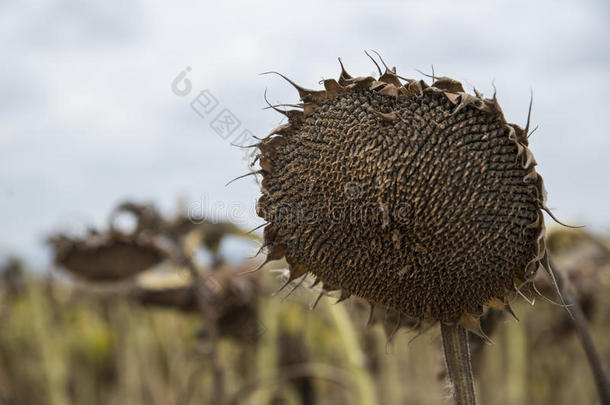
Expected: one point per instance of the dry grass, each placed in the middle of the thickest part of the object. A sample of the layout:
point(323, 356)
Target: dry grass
point(58, 349)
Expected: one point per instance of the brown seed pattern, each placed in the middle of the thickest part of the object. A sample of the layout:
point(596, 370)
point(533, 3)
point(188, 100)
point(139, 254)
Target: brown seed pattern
point(419, 198)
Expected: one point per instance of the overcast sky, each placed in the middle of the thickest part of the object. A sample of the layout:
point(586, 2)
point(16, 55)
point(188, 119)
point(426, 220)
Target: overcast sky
point(88, 117)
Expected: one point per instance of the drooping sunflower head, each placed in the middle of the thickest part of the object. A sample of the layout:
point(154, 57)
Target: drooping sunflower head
point(107, 257)
point(420, 198)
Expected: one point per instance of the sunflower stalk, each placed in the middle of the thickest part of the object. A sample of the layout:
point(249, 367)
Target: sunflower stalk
point(457, 360)
point(600, 374)
point(205, 303)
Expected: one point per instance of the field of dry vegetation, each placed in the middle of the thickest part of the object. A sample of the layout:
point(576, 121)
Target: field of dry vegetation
point(151, 339)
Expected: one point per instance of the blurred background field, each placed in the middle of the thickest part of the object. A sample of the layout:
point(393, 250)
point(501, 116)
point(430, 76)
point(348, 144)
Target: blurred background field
point(143, 339)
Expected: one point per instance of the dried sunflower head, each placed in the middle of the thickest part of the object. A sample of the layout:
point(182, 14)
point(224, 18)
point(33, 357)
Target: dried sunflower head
point(107, 257)
point(420, 198)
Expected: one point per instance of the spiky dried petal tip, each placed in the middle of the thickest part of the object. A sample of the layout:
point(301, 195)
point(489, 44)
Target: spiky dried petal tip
point(417, 197)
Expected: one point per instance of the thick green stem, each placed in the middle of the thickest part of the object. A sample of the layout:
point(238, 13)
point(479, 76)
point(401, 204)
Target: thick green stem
point(457, 359)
